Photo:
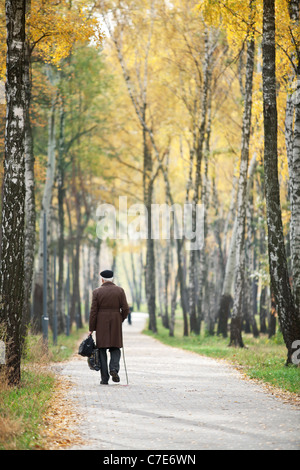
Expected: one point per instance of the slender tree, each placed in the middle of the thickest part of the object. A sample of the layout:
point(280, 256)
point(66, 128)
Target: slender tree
point(13, 203)
point(194, 267)
point(30, 206)
point(236, 318)
point(294, 161)
point(61, 220)
point(46, 206)
point(280, 286)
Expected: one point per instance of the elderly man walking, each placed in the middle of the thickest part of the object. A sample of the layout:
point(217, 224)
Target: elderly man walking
point(108, 311)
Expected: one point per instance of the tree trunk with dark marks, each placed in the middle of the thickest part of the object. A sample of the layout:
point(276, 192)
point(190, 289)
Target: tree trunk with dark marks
point(12, 239)
point(280, 286)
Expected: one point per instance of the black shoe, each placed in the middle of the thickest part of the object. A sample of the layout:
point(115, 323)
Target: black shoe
point(103, 383)
point(115, 375)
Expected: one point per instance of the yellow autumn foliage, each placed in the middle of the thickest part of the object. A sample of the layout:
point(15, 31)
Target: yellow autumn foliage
point(53, 28)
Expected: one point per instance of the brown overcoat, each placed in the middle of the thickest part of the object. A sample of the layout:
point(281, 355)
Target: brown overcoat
point(108, 311)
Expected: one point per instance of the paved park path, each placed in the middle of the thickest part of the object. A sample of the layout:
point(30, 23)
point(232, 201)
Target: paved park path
point(176, 400)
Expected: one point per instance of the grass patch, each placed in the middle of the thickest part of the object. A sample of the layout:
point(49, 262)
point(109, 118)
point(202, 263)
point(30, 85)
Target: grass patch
point(21, 411)
point(22, 408)
point(65, 347)
point(262, 358)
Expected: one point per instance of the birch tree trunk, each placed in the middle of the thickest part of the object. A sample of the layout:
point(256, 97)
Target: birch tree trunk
point(30, 206)
point(96, 263)
point(129, 281)
point(166, 284)
point(294, 168)
point(180, 265)
point(136, 282)
point(173, 307)
point(46, 203)
point(159, 276)
point(61, 222)
point(150, 256)
point(86, 262)
point(13, 203)
point(236, 318)
point(226, 298)
point(280, 287)
point(264, 297)
point(250, 298)
point(195, 320)
point(30, 216)
point(202, 253)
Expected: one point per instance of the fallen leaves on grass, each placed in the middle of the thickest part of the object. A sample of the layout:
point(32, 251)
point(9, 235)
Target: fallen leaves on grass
point(283, 395)
point(9, 429)
point(61, 420)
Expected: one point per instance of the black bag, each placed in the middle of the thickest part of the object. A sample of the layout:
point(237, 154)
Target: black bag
point(87, 347)
point(94, 360)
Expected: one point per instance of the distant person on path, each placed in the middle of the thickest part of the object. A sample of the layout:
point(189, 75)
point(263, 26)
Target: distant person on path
point(108, 311)
point(129, 315)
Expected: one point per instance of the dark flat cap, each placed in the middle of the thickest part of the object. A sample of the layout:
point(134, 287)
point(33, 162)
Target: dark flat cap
point(107, 274)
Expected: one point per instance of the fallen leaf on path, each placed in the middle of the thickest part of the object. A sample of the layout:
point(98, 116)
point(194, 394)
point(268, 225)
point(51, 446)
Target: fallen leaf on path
point(61, 421)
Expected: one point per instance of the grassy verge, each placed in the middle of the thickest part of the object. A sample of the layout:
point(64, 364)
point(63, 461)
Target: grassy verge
point(22, 408)
point(64, 348)
point(262, 359)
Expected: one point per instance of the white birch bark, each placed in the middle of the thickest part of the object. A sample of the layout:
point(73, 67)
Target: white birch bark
point(13, 201)
point(195, 267)
point(30, 206)
point(232, 254)
point(295, 199)
point(46, 205)
point(280, 286)
point(293, 152)
point(236, 337)
point(61, 221)
point(50, 174)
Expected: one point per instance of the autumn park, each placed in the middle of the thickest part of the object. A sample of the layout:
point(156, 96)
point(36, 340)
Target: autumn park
point(150, 152)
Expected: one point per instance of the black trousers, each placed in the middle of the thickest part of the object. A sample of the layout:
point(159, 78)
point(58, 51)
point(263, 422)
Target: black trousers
point(114, 363)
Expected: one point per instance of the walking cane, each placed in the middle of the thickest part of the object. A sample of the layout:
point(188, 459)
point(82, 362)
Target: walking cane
point(125, 365)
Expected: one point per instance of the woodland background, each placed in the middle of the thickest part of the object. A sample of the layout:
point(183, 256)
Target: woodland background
point(162, 102)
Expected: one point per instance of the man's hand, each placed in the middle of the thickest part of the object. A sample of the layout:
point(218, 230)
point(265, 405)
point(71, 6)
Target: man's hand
point(90, 333)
